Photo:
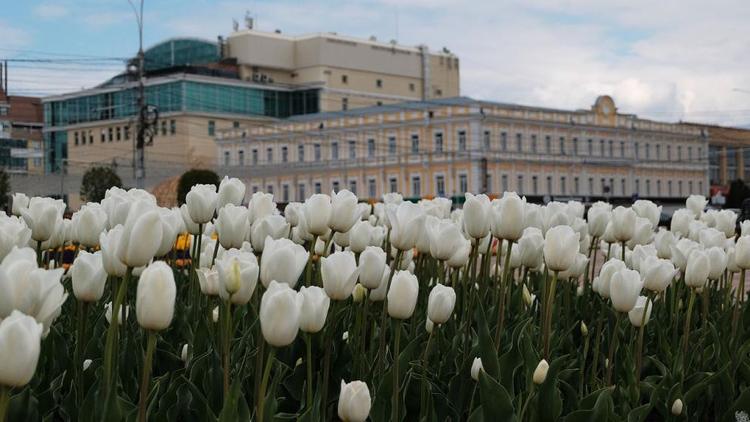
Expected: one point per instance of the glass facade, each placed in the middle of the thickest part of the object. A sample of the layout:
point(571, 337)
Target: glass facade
point(7, 161)
point(180, 52)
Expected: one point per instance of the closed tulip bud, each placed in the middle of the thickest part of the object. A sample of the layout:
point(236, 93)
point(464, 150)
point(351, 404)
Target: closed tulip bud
point(20, 344)
point(440, 304)
point(461, 255)
point(184, 353)
point(344, 212)
point(20, 202)
point(43, 216)
point(428, 325)
point(530, 247)
point(643, 232)
point(141, 235)
point(215, 315)
point(232, 225)
point(364, 210)
point(698, 268)
point(476, 366)
point(172, 225)
point(283, 261)
point(378, 294)
point(155, 297)
point(677, 407)
point(477, 215)
point(359, 293)
point(584, 329)
point(657, 273)
point(13, 233)
point(681, 251)
point(339, 273)
point(341, 239)
point(717, 260)
point(360, 236)
point(208, 278)
point(238, 276)
point(598, 217)
point(636, 314)
point(201, 203)
point(86, 364)
point(623, 223)
point(663, 241)
point(555, 214)
point(190, 226)
point(88, 276)
point(576, 270)
point(371, 267)
point(273, 226)
point(293, 213)
point(711, 237)
point(402, 295)
point(231, 191)
point(508, 216)
point(726, 222)
point(681, 221)
point(280, 309)
point(527, 296)
point(742, 252)
point(406, 221)
point(560, 248)
point(731, 261)
point(648, 210)
point(624, 289)
point(354, 401)
point(315, 304)
point(696, 204)
point(89, 222)
point(444, 236)
point(540, 373)
point(261, 205)
point(108, 313)
point(317, 213)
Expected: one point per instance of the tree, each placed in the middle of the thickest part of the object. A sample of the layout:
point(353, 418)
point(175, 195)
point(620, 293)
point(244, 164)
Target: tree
point(195, 177)
point(738, 192)
point(96, 181)
point(4, 189)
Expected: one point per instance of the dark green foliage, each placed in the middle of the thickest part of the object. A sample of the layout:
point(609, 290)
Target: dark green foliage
point(4, 190)
point(96, 181)
point(195, 177)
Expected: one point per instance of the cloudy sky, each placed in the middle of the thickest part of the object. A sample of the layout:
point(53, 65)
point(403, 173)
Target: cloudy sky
point(664, 59)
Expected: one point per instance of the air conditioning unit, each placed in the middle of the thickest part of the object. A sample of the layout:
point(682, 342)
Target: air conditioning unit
point(256, 77)
point(264, 78)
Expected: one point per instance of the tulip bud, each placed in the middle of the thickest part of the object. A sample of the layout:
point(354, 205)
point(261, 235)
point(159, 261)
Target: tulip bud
point(280, 309)
point(88, 276)
point(359, 293)
point(407, 220)
point(43, 216)
point(155, 297)
point(428, 325)
point(560, 248)
point(677, 407)
point(339, 273)
point(636, 314)
point(378, 294)
point(460, 257)
point(344, 212)
point(141, 235)
point(238, 276)
point(624, 289)
point(698, 268)
point(209, 281)
point(477, 215)
point(215, 315)
point(232, 225)
point(371, 266)
point(201, 203)
point(440, 304)
point(508, 217)
point(314, 309)
point(317, 212)
point(742, 252)
point(584, 329)
point(20, 202)
point(402, 295)
point(354, 401)
point(540, 373)
point(282, 261)
point(231, 191)
point(696, 204)
point(527, 296)
point(86, 364)
point(184, 353)
point(476, 366)
point(20, 344)
point(89, 222)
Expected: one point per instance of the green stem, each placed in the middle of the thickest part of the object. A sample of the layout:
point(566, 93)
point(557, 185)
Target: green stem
point(78, 361)
point(264, 384)
point(583, 366)
point(226, 349)
point(612, 347)
point(4, 401)
point(738, 302)
point(309, 365)
point(685, 340)
point(623, 252)
point(548, 314)
point(39, 253)
point(146, 377)
point(308, 269)
point(501, 302)
point(639, 351)
point(112, 333)
point(423, 392)
point(396, 385)
point(216, 251)
point(381, 335)
point(526, 404)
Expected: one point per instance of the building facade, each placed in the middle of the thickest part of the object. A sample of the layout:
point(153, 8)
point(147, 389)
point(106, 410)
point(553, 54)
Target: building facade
point(252, 77)
point(445, 147)
point(728, 155)
point(21, 121)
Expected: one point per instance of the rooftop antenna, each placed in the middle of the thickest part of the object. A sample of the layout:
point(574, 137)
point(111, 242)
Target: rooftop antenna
point(249, 21)
point(235, 25)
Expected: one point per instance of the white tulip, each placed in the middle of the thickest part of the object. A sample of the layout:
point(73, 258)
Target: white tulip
point(681, 251)
point(663, 241)
point(108, 313)
point(108, 242)
point(371, 266)
point(402, 295)
point(339, 273)
point(209, 281)
point(20, 345)
point(476, 366)
point(598, 217)
point(698, 268)
point(477, 215)
point(261, 205)
point(636, 314)
point(293, 213)
point(444, 236)
point(238, 276)
point(283, 261)
point(440, 303)
point(280, 308)
point(314, 309)
point(13, 233)
point(406, 221)
point(318, 211)
point(560, 248)
point(726, 222)
point(141, 235)
point(540, 373)
point(640, 253)
point(623, 223)
point(20, 202)
point(155, 297)
point(696, 204)
point(508, 217)
point(231, 191)
point(273, 226)
point(360, 236)
point(344, 212)
point(232, 226)
point(461, 255)
point(530, 247)
point(677, 407)
point(171, 226)
point(89, 222)
point(717, 260)
point(606, 273)
point(742, 252)
point(711, 237)
point(576, 270)
point(378, 294)
point(354, 401)
point(88, 276)
point(624, 289)
point(43, 216)
point(657, 273)
point(648, 210)
point(681, 221)
point(643, 232)
point(201, 203)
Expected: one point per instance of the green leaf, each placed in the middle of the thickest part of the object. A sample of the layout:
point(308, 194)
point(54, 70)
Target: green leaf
point(697, 389)
point(549, 402)
point(487, 351)
point(497, 404)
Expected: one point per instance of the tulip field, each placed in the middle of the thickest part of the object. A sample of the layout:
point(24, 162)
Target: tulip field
point(229, 308)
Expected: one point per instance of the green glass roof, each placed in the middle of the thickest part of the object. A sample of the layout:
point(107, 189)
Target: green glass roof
point(180, 52)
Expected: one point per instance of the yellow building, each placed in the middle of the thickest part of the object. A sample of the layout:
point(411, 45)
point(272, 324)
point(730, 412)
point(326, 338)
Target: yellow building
point(445, 147)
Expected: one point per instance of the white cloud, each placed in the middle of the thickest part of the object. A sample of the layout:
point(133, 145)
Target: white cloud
point(13, 37)
point(50, 11)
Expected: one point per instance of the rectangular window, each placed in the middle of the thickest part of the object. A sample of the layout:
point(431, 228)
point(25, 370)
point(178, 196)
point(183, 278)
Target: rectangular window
point(416, 186)
point(163, 128)
point(440, 185)
point(103, 136)
point(648, 151)
point(669, 187)
point(648, 187)
point(658, 151)
point(548, 144)
point(534, 185)
point(679, 152)
point(439, 142)
point(463, 184)
point(110, 135)
point(127, 133)
point(226, 158)
point(334, 150)
point(690, 187)
point(352, 149)
point(590, 143)
point(669, 152)
point(370, 148)
point(75, 134)
point(301, 192)
point(575, 146)
point(415, 144)
point(549, 185)
point(576, 186)
point(236, 124)
point(372, 188)
point(353, 186)
point(211, 128)
point(344, 79)
point(605, 188)
point(300, 153)
point(379, 83)
point(412, 87)
point(284, 154)
point(623, 187)
point(602, 151)
point(563, 186)
point(391, 145)
point(241, 157)
point(690, 153)
point(591, 185)
point(533, 143)
point(316, 152)
point(679, 187)
point(462, 140)
point(658, 187)
point(172, 127)
point(562, 145)
point(636, 154)
point(255, 156)
point(611, 148)
point(520, 184)
point(637, 186)
point(269, 155)
point(285, 192)
point(317, 187)
point(504, 141)
point(344, 104)
point(119, 133)
point(393, 184)
point(504, 182)
point(519, 142)
point(487, 137)
point(335, 186)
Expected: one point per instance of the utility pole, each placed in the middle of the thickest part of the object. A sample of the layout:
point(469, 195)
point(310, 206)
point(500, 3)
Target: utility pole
point(140, 139)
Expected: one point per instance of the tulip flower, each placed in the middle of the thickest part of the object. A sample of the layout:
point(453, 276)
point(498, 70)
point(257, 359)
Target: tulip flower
point(508, 217)
point(681, 221)
point(742, 252)
point(317, 213)
point(20, 345)
point(641, 312)
point(598, 217)
point(444, 236)
point(108, 313)
point(314, 309)
point(681, 251)
point(141, 235)
point(677, 407)
point(477, 215)
point(624, 289)
point(354, 402)
point(280, 309)
point(261, 205)
point(360, 236)
point(406, 221)
point(696, 204)
point(530, 247)
point(726, 221)
point(89, 222)
point(663, 241)
point(440, 304)
point(201, 203)
point(476, 366)
point(283, 261)
point(231, 191)
point(43, 216)
point(232, 226)
point(657, 273)
point(560, 248)
point(580, 264)
point(402, 295)
point(171, 226)
point(20, 202)
point(555, 214)
point(89, 276)
point(238, 276)
point(339, 273)
point(379, 293)
point(190, 226)
point(209, 281)
point(648, 210)
point(293, 213)
point(643, 232)
point(540, 373)
point(371, 266)
point(717, 260)
point(344, 212)
point(155, 297)
point(623, 223)
point(698, 268)
point(710, 237)
point(273, 226)
point(13, 233)
point(460, 257)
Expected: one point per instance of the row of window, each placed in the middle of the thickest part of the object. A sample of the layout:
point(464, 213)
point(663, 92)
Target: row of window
point(378, 83)
point(120, 133)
